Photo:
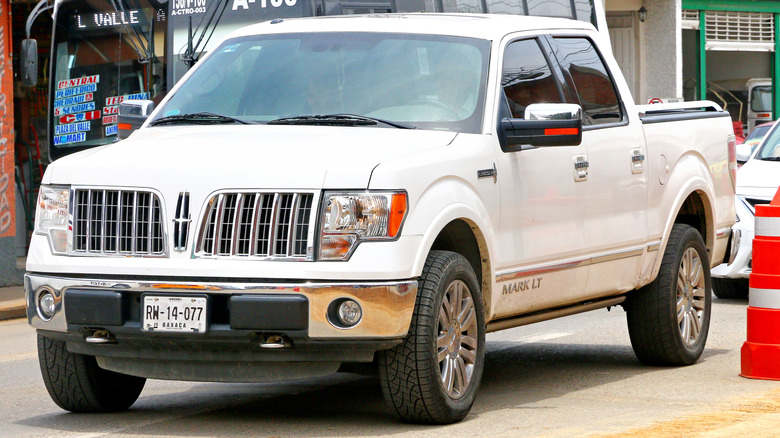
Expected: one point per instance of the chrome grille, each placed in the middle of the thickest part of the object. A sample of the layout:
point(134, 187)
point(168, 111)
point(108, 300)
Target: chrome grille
point(263, 225)
point(117, 222)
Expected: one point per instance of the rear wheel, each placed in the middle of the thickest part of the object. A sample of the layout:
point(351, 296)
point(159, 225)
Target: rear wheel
point(668, 319)
point(730, 288)
point(77, 384)
point(433, 375)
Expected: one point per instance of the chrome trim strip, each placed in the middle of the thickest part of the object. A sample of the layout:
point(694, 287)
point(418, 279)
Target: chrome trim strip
point(655, 246)
point(387, 305)
point(554, 267)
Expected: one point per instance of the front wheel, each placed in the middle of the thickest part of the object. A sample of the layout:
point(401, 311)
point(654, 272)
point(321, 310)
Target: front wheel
point(433, 375)
point(77, 384)
point(668, 319)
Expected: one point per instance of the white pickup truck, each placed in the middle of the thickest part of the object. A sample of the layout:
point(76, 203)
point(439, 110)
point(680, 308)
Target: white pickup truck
point(387, 189)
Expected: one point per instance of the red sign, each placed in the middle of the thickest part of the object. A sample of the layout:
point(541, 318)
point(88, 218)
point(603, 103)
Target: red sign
point(7, 198)
point(70, 118)
point(110, 110)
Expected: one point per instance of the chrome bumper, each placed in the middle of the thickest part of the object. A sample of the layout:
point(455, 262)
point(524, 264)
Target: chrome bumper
point(387, 306)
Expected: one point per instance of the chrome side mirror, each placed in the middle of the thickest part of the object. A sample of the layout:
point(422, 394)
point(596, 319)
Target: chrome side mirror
point(132, 114)
point(545, 124)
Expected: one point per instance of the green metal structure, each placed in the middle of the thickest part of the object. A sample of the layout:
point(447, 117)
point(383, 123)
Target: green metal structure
point(768, 6)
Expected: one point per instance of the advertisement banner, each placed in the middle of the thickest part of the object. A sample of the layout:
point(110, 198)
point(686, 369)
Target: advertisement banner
point(7, 181)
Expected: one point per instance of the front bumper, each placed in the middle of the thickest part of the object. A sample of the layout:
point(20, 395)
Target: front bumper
point(742, 254)
point(308, 335)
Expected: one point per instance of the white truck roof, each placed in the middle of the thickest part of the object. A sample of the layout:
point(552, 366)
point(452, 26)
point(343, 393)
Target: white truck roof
point(486, 26)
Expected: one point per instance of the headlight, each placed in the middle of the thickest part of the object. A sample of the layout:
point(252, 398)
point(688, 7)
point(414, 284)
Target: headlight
point(349, 218)
point(51, 216)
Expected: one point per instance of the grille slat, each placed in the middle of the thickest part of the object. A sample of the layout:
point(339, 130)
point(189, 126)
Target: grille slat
point(116, 222)
point(258, 225)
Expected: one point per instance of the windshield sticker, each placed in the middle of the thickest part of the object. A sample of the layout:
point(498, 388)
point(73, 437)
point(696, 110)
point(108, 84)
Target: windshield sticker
point(116, 100)
point(231, 48)
point(244, 4)
point(172, 113)
point(110, 110)
point(73, 127)
point(70, 138)
point(188, 7)
point(73, 100)
point(108, 120)
point(91, 88)
point(74, 109)
point(70, 118)
point(70, 83)
point(111, 130)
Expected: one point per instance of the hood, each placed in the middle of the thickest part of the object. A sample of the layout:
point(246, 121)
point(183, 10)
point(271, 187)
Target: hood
point(244, 157)
point(758, 178)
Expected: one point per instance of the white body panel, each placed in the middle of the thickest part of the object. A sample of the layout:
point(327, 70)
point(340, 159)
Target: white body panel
point(566, 241)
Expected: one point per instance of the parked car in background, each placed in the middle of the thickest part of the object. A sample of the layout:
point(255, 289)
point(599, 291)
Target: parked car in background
point(757, 183)
point(759, 102)
point(746, 148)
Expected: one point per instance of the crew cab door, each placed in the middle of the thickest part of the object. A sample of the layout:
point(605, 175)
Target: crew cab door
point(541, 243)
point(615, 203)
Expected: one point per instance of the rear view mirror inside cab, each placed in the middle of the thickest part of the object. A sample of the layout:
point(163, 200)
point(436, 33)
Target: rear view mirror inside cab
point(545, 124)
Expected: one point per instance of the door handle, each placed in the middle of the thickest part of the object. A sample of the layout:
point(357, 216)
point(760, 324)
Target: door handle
point(637, 161)
point(581, 166)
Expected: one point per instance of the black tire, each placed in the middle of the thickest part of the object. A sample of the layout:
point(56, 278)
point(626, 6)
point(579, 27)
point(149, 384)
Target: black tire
point(77, 384)
point(657, 335)
point(730, 288)
point(411, 373)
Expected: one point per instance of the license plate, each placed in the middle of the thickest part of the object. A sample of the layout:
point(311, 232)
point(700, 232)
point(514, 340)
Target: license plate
point(173, 314)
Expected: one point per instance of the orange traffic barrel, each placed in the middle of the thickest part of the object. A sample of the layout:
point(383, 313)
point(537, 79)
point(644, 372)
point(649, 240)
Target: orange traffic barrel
point(761, 351)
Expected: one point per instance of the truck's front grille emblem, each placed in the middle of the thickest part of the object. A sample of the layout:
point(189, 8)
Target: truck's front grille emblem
point(181, 223)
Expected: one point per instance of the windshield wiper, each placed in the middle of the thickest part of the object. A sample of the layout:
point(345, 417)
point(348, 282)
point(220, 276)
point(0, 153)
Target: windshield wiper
point(337, 120)
point(770, 159)
point(201, 118)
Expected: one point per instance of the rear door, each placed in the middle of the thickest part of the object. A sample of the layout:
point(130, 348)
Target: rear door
point(614, 217)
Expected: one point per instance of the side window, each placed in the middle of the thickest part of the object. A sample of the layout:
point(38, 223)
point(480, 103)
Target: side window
point(593, 84)
point(526, 77)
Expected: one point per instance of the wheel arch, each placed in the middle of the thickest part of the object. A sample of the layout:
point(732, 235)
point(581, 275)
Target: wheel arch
point(461, 233)
point(692, 207)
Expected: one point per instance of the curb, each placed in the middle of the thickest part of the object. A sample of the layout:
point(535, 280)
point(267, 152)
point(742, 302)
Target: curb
point(13, 309)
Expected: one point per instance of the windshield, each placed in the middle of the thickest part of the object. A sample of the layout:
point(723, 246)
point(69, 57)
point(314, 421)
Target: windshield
point(770, 147)
point(761, 99)
point(429, 82)
point(104, 52)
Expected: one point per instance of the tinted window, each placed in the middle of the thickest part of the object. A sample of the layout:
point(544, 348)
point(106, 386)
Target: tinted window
point(582, 10)
point(592, 83)
point(527, 78)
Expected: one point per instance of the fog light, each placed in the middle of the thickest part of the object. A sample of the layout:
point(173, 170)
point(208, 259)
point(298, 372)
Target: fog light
point(46, 305)
point(349, 313)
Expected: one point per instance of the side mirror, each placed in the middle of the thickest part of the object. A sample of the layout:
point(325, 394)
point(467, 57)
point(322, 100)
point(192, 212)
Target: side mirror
point(132, 114)
point(744, 151)
point(545, 124)
point(29, 61)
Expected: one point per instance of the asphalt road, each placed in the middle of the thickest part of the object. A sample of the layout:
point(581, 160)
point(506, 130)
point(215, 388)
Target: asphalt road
point(570, 377)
